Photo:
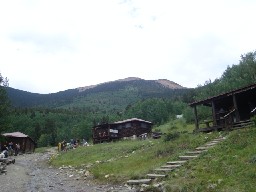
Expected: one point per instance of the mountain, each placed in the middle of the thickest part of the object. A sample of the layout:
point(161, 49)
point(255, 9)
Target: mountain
point(120, 92)
point(164, 82)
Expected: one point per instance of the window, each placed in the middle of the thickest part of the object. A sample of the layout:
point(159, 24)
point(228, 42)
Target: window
point(143, 125)
point(127, 125)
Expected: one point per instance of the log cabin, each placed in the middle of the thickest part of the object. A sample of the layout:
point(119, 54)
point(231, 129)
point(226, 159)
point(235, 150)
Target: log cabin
point(230, 110)
point(121, 129)
point(27, 145)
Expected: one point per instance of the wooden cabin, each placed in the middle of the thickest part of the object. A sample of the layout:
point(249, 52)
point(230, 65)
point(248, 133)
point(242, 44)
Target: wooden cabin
point(229, 110)
point(121, 129)
point(27, 144)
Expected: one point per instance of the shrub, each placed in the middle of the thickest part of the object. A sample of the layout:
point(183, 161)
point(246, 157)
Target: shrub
point(171, 136)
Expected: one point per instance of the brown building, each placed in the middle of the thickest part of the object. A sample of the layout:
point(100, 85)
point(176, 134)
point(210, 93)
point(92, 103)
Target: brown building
point(229, 110)
point(120, 129)
point(26, 143)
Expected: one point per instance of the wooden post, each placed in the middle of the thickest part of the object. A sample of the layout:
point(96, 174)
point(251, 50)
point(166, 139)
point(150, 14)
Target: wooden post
point(214, 114)
point(25, 144)
point(196, 119)
point(236, 108)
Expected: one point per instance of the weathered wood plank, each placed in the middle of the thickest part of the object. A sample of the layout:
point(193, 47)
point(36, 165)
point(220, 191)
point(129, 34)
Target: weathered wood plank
point(176, 162)
point(139, 181)
point(188, 157)
point(210, 144)
point(153, 176)
point(202, 148)
point(164, 170)
point(195, 152)
point(170, 166)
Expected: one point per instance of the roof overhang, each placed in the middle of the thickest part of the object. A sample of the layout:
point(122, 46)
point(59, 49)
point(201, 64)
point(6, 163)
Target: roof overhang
point(208, 101)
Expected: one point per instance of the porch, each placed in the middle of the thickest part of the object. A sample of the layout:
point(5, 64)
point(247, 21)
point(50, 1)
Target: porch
point(231, 110)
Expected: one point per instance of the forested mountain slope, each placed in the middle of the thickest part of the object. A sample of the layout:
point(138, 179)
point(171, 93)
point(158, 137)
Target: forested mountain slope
point(130, 90)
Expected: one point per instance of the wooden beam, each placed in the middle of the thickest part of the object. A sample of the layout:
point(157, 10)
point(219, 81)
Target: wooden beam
point(196, 118)
point(214, 114)
point(236, 108)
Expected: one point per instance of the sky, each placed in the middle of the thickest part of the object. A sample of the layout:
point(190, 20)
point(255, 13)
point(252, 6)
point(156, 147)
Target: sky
point(48, 46)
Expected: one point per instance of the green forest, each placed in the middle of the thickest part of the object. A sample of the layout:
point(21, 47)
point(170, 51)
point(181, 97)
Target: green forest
point(48, 119)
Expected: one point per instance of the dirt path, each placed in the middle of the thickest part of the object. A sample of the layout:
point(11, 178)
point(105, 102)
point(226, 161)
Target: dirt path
point(30, 173)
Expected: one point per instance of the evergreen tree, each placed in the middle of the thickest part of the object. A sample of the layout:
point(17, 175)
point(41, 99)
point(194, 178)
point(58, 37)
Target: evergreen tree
point(4, 104)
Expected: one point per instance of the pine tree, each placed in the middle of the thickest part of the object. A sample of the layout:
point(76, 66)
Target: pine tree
point(4, 104)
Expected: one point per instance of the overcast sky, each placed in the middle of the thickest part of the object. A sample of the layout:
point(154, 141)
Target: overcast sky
point(48, 46)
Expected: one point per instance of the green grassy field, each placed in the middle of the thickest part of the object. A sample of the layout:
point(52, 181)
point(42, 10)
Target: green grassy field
point(230, 166)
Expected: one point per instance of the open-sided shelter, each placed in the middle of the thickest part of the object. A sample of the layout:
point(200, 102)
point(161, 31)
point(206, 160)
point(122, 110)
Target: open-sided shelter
point(26, 143)
point(120, 129)
point(229, 110)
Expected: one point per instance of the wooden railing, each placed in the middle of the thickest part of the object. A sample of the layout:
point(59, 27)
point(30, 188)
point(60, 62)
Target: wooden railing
point(229, 113)
point(253, 111)
point(228, 120)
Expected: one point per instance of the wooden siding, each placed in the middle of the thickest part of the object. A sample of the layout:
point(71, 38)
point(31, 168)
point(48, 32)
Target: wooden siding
point(120, 129)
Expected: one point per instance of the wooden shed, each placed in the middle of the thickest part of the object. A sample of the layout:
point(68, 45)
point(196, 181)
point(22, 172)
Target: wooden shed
point(26, 143)
point(230, 110)
point(120, 129)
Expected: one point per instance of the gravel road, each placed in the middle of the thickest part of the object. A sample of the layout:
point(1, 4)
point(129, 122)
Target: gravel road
point(31, 173)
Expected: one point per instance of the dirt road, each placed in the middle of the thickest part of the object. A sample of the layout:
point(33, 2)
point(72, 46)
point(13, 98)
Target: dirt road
point(31, 173)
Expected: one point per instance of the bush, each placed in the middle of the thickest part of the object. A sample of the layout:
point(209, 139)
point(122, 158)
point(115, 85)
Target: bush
point(171, 136)
point(44, 140)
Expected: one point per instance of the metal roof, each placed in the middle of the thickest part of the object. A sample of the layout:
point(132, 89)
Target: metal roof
point(132, 119)
point(15, 134)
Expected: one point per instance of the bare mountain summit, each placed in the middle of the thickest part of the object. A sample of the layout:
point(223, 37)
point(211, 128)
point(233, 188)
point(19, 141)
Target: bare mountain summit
point(169, 84)
point(164, 82)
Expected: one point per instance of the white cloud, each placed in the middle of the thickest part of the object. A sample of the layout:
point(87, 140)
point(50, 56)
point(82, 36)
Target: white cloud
point(48, 46)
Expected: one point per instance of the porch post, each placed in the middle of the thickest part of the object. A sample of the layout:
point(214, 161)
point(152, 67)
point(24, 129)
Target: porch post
point(214, 114)
point(236, 108)
point(196, 119)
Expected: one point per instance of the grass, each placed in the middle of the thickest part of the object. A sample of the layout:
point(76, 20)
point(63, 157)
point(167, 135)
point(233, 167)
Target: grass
point(41, 149)
point(229, 166)
point(119, 161)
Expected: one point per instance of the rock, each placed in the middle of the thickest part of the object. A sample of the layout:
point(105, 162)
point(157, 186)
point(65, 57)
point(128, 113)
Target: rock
point(80, 172)
point(157, 185)
point(87, 173)
point(219, 181)
point(212, 186)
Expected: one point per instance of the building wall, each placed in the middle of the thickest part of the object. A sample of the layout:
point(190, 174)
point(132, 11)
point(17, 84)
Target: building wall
point(121, 130)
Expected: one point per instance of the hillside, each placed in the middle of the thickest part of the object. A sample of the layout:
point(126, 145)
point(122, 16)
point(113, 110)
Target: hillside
point(228, 166)
point(129, 89)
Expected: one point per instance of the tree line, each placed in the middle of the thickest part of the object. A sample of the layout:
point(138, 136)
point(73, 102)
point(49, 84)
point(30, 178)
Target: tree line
point(47, 126)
